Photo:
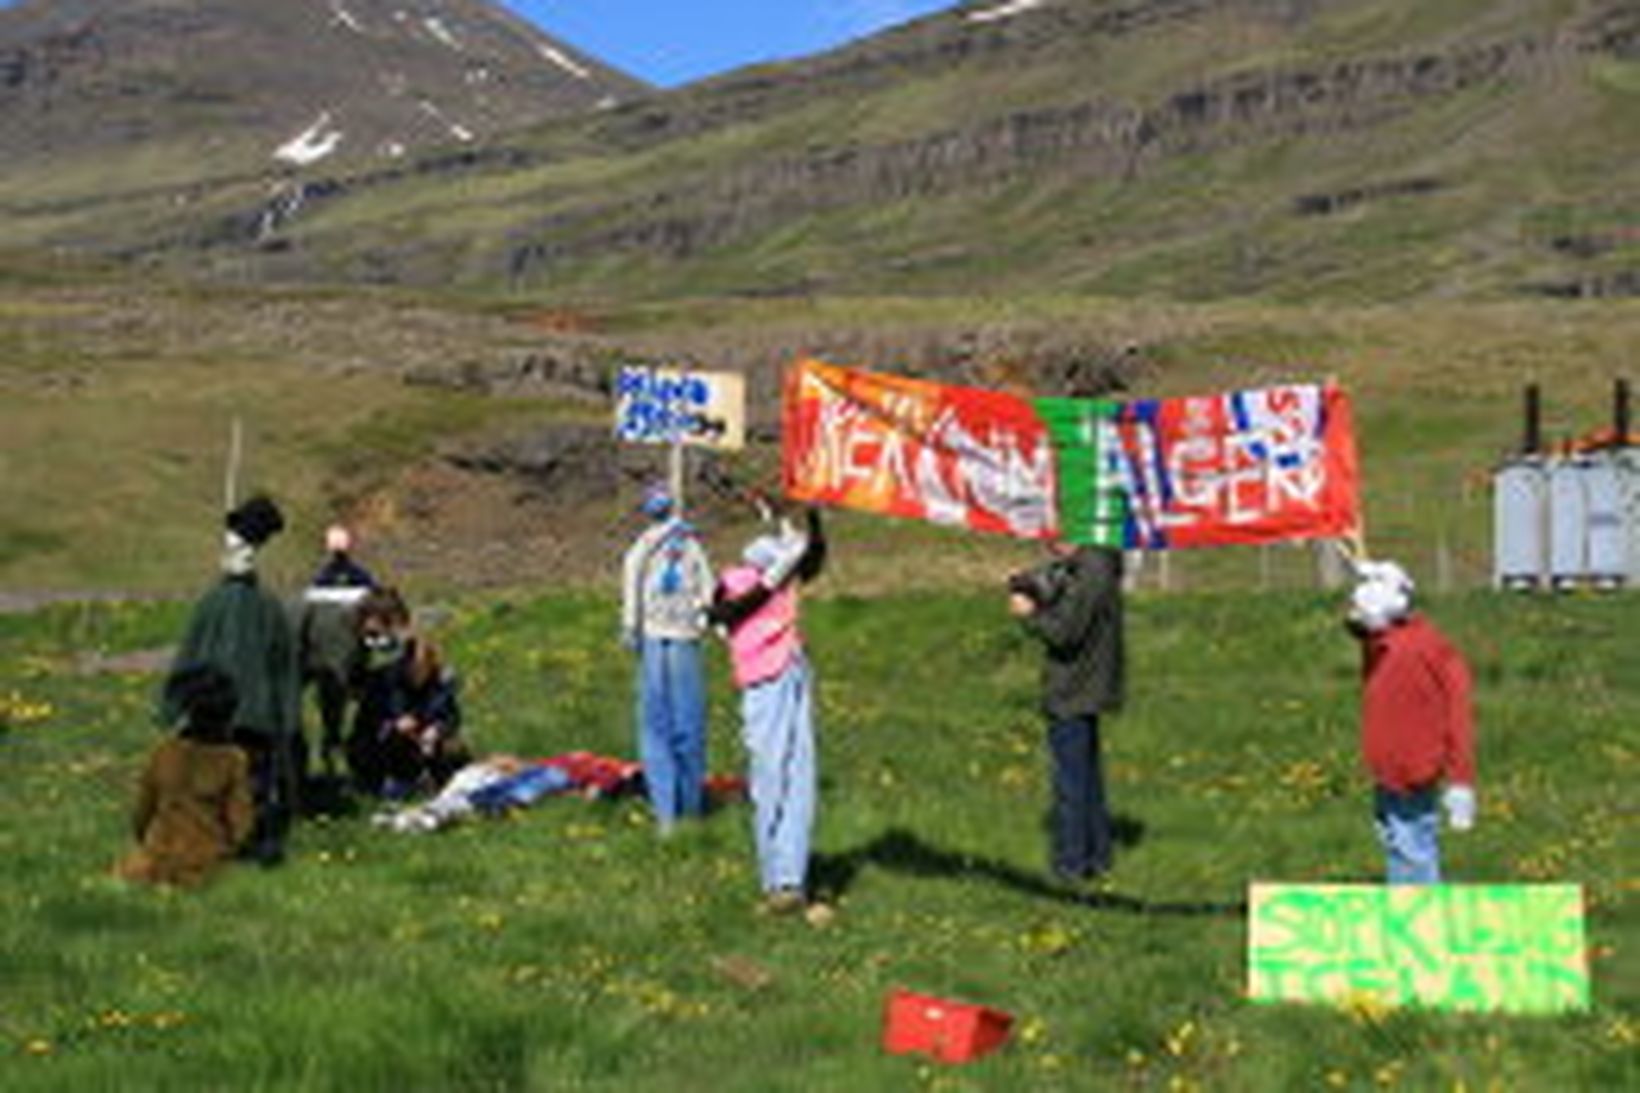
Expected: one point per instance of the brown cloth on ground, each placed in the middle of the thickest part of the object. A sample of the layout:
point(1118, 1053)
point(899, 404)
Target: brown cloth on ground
point(193, 810)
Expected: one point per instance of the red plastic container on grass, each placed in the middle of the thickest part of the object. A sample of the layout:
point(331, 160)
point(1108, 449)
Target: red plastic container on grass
point(952, 1032)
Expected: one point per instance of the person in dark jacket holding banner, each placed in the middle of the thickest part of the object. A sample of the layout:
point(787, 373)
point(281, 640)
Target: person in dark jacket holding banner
point(1073, 606)
point(244, 631)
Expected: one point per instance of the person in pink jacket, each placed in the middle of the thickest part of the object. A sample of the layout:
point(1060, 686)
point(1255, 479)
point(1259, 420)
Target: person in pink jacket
point(756, 606)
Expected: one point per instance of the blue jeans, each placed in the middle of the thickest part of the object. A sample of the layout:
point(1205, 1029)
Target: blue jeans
point(1080, 821)
point(1408, 827)
point(779, 735)
point(672, 726)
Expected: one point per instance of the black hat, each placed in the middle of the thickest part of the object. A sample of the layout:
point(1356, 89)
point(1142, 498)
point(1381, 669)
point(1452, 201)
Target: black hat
point(257, 520)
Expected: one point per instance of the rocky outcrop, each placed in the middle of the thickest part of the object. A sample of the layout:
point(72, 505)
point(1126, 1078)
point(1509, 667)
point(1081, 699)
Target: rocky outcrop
point(1100, 138)
point(1617, 285)
point(576, 372)
point(38, 65)
point(1326, 204)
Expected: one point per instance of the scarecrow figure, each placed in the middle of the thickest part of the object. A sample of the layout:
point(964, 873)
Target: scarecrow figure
point(666, 586)
point(244, 631)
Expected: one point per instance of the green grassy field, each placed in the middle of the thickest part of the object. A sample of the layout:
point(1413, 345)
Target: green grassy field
point(569, 948)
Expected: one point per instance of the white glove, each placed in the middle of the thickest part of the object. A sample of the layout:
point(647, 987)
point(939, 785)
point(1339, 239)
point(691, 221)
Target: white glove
point(1460, 807)
point(792, 545)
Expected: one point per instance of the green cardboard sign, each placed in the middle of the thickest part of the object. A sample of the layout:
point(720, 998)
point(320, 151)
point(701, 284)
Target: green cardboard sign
point(1513, 948)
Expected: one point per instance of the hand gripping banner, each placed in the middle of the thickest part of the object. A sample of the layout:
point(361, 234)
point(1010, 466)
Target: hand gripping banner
point(1252, 466)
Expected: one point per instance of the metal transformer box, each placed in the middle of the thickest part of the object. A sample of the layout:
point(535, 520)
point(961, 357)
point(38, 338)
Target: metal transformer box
point(1567, 522)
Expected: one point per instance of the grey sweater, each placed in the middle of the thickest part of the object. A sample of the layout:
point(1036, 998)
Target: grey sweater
point(666, 584)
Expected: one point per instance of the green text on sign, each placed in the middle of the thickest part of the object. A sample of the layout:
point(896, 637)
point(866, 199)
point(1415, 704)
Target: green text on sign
point(1515, 948)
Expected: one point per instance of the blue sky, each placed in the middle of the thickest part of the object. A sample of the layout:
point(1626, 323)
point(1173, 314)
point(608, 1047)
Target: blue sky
point(669, 42)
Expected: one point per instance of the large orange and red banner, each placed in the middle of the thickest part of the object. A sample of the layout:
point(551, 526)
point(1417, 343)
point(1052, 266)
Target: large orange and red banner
point(1253, 466)
point(927, 451)
point(1246, 467)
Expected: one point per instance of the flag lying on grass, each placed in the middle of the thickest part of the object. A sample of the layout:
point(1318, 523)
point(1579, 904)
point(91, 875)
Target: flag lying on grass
point(1253, 466)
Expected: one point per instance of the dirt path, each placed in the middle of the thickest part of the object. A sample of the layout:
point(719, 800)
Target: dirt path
point(22, 601)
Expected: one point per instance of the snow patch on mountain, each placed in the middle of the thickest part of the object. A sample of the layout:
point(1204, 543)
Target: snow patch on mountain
point(558, 58)
point(458, 131)
point(437, 29)
point(346, 18)
point(310, 145)
point(1003, 11)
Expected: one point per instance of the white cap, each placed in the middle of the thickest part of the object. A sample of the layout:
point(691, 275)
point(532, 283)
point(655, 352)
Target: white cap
point(1382, 596)
point(338, 540)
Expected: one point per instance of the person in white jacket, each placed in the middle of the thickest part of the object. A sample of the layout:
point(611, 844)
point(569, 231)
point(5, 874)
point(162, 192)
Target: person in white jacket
point(666, 586)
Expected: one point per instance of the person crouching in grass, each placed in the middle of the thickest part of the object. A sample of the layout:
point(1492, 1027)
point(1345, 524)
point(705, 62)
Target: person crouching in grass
point(193, 805)
point(407, 731)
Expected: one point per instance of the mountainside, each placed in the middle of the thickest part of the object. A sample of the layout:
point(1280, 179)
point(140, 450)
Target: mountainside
point(108, 96)
point(1187, 148)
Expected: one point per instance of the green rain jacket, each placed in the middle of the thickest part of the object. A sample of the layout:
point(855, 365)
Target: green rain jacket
point(1080, 627)
point(245, 631)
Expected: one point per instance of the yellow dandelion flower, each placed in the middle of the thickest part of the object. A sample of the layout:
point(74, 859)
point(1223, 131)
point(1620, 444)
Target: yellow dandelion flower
point(1365, 1007)
point(1178, 1041)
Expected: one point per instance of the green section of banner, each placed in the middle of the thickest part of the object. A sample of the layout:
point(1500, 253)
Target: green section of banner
point(1092, 506)
point(1512, 948)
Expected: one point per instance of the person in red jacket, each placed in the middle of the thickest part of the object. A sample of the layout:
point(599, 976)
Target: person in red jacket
point(1417, 726)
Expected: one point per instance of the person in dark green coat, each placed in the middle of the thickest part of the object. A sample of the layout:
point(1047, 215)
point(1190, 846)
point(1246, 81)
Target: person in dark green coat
point(243, 630)
point(1073, 606)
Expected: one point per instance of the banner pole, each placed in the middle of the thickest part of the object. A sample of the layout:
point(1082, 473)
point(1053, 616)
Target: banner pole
point(675, 471)
point(230, 478)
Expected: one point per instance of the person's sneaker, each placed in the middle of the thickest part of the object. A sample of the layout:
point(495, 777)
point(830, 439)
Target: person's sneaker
point(783, 901)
